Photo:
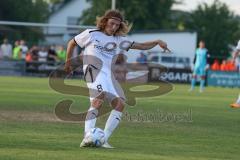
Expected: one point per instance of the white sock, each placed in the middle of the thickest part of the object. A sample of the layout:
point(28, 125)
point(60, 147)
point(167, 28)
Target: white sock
point(91, 118)
point(238, 100)
point(112, 123)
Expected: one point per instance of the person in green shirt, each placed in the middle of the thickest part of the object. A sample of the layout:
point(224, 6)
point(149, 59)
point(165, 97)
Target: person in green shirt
point(17, 51)
point(61, 53)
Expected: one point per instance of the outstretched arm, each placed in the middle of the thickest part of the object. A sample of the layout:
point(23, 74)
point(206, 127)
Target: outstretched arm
point(70, 47)
point(150, 44)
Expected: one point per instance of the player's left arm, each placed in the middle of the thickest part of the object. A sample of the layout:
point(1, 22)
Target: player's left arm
point(149, 45)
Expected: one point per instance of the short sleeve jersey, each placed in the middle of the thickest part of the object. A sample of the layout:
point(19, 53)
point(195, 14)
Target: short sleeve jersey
point(102, 46)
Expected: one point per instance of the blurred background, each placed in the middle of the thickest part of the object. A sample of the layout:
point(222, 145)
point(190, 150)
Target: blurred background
point(175, 125)
point(34, 36)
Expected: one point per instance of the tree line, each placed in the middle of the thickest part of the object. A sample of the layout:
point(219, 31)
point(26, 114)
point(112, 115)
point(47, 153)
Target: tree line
point(215, 24)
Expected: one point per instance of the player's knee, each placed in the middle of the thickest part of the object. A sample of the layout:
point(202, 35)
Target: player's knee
point(98, 101)
point(118, 104)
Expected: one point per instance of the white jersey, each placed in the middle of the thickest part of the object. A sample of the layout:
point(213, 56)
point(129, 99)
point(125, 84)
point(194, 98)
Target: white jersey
point(102, 46)
point(102, 50)
point(238, 45)
point(6, 50)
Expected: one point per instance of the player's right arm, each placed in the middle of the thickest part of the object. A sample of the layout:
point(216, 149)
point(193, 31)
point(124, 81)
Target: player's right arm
point(81, 40)
point(71, 45)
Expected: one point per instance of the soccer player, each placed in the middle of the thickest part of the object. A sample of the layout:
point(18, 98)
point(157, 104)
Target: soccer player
point(102, 45)
point(235, 54)
point(200, 66)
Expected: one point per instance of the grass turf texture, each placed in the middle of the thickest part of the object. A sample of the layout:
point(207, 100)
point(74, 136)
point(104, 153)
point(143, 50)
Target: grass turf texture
point(212, 133)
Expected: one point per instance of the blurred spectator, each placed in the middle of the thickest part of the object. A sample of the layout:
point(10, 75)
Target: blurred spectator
point(231, 66)
point(224, 66)
point(32, 54)
point(24, 48)
point(228, 66)
point(6, 49)
point(61, 53)
point(215, 66)
point(34, 51)
point(17, 51)
point(42, 54)
point(142, 58)
point(52, 56)
point(28, 57)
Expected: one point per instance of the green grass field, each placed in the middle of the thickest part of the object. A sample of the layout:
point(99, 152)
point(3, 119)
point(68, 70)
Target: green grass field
point(30, 131)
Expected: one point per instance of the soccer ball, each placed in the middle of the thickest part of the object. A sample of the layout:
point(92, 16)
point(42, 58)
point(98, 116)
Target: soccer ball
point(96, 136)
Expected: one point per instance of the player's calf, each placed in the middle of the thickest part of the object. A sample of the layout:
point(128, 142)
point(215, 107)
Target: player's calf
point(92, 114)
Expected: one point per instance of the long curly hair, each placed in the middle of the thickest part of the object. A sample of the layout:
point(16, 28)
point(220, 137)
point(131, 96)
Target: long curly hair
point(124, 27)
